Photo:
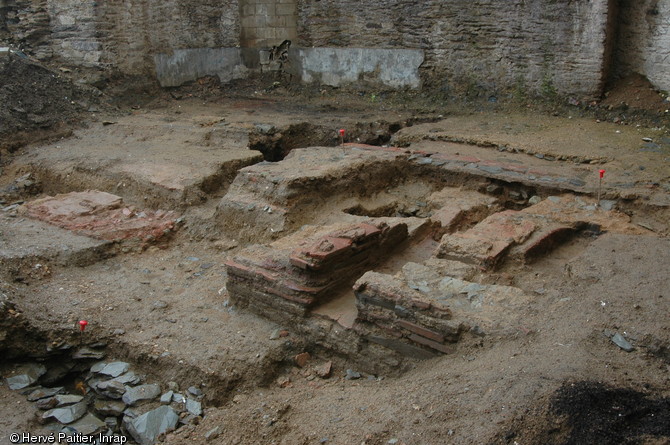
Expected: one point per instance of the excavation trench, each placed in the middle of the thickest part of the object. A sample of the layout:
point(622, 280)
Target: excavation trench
point(389, 224)
point(276, 142)
point(79, 384)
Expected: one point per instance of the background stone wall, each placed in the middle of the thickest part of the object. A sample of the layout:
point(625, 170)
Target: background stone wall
point(118, 35)
point(643, 44)
point(267, 22)
point(547, 47)
point(475, 44)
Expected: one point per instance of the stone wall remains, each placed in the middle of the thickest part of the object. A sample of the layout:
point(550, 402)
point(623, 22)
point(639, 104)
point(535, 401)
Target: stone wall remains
point(118, 35)
point(534, 45)
point(266, 23)
point(478, 47)
point(643, 44)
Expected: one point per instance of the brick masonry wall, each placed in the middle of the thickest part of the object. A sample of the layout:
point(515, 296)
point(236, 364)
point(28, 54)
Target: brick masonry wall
point(470, 46)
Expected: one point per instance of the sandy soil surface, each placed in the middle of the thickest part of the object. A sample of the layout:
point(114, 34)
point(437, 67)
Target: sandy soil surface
point(166, 308)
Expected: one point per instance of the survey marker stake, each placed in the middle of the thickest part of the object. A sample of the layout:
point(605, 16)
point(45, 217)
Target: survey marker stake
point(600, 185)
point(82, 327)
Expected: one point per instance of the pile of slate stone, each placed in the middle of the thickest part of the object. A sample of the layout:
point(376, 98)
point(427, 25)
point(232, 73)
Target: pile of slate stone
point(109, 399)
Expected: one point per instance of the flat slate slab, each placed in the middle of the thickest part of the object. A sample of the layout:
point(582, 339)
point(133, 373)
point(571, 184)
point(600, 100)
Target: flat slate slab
point(142, 392)
point(25, 376)
point(67, 414)
point(113, 369)
point(147, 427)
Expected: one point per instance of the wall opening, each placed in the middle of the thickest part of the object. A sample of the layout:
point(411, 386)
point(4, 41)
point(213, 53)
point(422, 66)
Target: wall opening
point(265, 23)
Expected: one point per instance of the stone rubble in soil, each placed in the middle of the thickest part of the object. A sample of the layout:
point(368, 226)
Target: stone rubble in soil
point(107, 399)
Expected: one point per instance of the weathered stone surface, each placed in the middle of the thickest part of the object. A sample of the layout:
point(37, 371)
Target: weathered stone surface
point(47, 404)
point(42, 393)
point(352, 375)
point(109, 407)
point(129, 378)
point(67, 414)
point(87, 353)
point(195, 391)
point(25, 376)
point(146, 428)
point(448, 34)
point(110, 388)
point(621, 342)
point(113, 369)
point(89, 425)
point(142, 392)
point(324, 370)
point(213, 433)
point(193, 407)
point(644, 40)
point(68, 399)
point(166, 398)
point(268, 198)
point(469, 43)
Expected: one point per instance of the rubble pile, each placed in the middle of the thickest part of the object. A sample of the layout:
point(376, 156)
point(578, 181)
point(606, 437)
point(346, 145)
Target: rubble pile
point(108, 401)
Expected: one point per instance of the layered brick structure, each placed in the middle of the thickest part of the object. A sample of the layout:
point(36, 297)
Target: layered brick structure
point(425, 309)
point(488, 241)
point(291, 275)
point(529, 233)
point(400, 316)
point(102, 216)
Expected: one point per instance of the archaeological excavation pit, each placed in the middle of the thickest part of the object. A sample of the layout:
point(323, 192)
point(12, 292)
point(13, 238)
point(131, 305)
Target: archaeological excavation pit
point(385, 247)
point(331, 264)
point(305, 222)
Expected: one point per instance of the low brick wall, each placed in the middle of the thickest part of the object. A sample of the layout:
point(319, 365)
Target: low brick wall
point(286, 278)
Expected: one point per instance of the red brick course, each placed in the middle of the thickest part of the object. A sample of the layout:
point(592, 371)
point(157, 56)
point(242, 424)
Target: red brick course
point(101, 215)
point(309, 274)
point(488, 241)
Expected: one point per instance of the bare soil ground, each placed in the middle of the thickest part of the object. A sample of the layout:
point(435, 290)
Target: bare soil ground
point(557, 378)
